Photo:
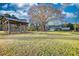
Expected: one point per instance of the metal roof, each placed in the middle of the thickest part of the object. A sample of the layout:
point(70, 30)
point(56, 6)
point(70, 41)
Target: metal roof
point(19, 20)
point(14, 19)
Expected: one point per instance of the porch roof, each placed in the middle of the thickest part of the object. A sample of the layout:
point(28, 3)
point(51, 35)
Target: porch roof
point(14, 19)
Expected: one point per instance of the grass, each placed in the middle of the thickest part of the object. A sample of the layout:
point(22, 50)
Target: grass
point(40, 44)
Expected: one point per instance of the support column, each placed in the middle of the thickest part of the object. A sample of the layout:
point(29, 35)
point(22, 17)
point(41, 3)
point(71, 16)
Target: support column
point(8, 26)
point(1, 28)
point(20, 28)
point(25, 28)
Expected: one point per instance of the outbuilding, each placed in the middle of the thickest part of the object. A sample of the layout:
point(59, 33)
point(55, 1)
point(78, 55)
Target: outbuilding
point(10, 24)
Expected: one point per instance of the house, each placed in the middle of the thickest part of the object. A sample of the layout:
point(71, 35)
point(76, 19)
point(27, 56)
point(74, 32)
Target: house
point(54, 28)
point(12, 24)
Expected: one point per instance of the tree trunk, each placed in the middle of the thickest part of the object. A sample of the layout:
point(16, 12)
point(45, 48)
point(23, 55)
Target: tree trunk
point(43, 26)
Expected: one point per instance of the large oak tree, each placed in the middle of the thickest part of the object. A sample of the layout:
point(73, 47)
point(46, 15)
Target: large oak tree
point(42, 12)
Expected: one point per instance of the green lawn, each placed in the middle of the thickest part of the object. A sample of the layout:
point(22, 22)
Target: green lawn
point(40, 44)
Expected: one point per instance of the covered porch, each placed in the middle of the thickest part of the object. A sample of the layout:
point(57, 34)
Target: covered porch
point(12, 25)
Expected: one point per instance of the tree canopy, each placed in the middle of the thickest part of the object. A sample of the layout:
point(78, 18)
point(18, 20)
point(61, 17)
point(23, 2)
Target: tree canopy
point(42, 13)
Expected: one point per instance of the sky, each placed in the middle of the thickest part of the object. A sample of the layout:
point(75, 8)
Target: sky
point(20, 10)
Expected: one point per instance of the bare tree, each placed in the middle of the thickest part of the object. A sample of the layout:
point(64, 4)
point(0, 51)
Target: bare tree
point(43, 12)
